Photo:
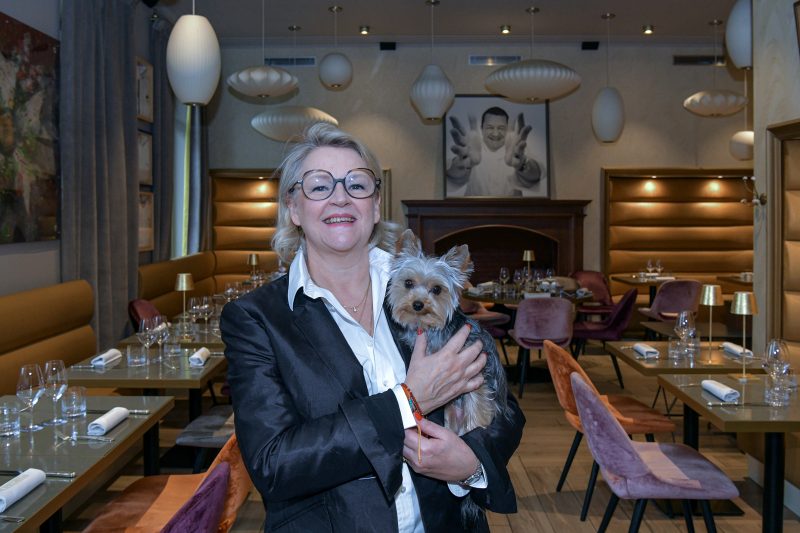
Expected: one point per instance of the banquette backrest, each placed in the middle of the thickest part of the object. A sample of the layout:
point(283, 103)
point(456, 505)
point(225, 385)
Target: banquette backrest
point(157, 281)
point(47, 323)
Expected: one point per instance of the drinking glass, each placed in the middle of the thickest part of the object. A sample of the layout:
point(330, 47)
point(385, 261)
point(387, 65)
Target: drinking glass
point(659, 267)
point(29, 390)
point(684, 325)
point(193, 309)
point(528, 273)
point(205, 309)
point(55, 383)
point(776, 365)
point(504, 276)
point(74, 404)
point(650, 266)
point(9, 418)
point(146, 334)
point(161, 333)
point(230, 291)
point(549, 273)
point(518, 278)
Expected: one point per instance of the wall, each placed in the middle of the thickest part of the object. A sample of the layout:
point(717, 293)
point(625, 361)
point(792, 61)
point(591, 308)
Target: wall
point(376, 107)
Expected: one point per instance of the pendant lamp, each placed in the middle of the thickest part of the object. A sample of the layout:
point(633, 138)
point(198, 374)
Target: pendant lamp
point(335, 69)
point(432, 93)
point(608, 111)
point(262, 81)
point(193, 59)
point(741, 144)
point(739, 34)
point(533, 80)
point(286, 123)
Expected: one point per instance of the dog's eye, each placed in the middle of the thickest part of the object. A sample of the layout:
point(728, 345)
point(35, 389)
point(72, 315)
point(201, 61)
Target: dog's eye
point(436, 290)
point(409, 284)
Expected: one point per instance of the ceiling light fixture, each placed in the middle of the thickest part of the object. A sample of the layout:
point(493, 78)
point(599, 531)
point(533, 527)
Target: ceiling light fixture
point(335, 69)
point(363, 30)
point(741, 143)
point(648, 29)
point(533, 80)
point(432, 93)
point(739, 34)
point(505, 29)
point(608, 111)
point(193, 59)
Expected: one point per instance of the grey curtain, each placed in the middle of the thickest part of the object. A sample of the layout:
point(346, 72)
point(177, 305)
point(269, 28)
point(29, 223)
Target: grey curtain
point(199, 238)
point(163, 141)
point(98, 158)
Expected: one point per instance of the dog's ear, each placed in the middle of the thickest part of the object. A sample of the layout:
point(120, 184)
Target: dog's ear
point(458, 257)
point(409, 244)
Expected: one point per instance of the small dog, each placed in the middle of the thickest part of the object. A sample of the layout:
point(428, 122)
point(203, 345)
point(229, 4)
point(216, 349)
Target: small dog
point(424, 293)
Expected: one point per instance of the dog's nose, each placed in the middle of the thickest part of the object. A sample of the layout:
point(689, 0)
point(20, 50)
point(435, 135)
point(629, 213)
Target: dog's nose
point(418, 305)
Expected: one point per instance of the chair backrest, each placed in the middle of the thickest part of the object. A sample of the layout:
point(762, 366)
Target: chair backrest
point(621, 314)
point(562, 365)
point(566, 283)
point(677, 295)
point(201, 514)
point(545, 318)
point(595, 282)
point(140, 309)
point(608, 442)
point(239, 484)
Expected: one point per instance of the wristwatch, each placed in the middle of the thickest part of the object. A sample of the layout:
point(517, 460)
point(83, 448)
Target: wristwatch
point(478, 474)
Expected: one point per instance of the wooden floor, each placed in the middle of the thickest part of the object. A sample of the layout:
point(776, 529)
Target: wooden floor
point(536, 466)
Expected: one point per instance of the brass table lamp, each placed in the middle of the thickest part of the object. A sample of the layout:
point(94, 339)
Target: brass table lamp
point(184, 283)
point(252, 261)
point(528, 256)
point(744, 304)
point(711, 296)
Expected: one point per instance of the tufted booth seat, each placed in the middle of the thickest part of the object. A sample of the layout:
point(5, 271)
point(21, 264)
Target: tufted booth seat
point(46, 323)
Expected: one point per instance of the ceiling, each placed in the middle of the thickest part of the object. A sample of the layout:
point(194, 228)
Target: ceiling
point(238, 22)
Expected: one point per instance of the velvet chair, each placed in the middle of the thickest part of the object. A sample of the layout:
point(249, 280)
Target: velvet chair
point(635, 417)
point(601, 303)
point(673, 297)
point(202, 512)
point(139, 309)
point(491, 321)
point(646, 470)
point(609, 329)
point(537, 320)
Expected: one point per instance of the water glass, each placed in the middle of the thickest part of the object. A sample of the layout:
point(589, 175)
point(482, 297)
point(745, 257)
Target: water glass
point(675, 349)
point(30, 387)
point(136, 355)
point(778, 391)
point(214, 325)
point(73, 403)
point(9, 419)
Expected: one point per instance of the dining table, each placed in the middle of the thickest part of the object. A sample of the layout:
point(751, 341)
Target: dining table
point(651, 282)
point(748, 414)
point(72, 462)
point(738, 279)
point(508, 299)
point(718, 330)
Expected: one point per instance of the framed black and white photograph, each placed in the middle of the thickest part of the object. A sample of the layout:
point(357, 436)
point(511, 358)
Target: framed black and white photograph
point(145, 157)
point(144, 90)
point(494, 147)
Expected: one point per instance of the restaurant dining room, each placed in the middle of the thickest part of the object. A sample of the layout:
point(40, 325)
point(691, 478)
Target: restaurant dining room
point(554, 292)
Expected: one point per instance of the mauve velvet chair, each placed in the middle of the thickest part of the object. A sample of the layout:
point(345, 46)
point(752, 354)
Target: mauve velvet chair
point(610, 329)
point(673, 297)
point(595, 281)
point(636, 418)
point(202, 512)
point(644, 471)
point(537, 320)
point(139, 309)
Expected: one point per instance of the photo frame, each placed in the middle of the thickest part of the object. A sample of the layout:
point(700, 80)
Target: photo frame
point(145, 157)
point(144, 90)
point(146, 222)
point(488, 172)
point(386, 194)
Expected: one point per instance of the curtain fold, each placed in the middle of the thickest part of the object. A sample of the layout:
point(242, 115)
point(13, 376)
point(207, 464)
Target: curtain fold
point(98, 158)
point(163, 141)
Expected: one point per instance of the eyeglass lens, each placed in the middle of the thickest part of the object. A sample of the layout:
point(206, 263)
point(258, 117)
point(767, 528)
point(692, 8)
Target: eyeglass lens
point(319, 184)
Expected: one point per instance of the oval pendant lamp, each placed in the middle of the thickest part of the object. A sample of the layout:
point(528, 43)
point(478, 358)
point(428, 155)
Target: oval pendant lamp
point(286, 123)
point(193, 59)
point(608, 111)
point(739, 34)
point(432, 93)
point(741, 144)
point(335, 69)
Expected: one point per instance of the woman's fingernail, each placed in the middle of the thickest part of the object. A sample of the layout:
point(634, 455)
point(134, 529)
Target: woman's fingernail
point(469, 326)
point(419, 331)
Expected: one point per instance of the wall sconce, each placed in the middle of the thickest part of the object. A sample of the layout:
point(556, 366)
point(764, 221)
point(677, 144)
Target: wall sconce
point(750, 187)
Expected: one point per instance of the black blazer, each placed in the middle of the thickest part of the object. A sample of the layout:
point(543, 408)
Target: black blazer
point(325, 455)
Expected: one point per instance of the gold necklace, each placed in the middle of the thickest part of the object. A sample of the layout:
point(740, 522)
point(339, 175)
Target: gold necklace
point(354, 308)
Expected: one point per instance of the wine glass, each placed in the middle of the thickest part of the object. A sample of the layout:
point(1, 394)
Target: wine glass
point(29, 390)
point(776, 365)
point(161, 334)
point(193, 309)
point(650, 266)
point(518, 278)
point(55, 384)
point(230, 291)
point(549, 273)
point(684, 325)
point(504, 276)
point(659, 267)
point(147, 334)
point(205, 308)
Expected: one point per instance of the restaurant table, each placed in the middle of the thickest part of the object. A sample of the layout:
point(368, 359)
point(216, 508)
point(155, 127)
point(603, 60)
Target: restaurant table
point(488, 297)
point(153, 376)
point(737, 279)
point(752, 416)
point(201, 338)
point(87, 460)
point(651, 282)
point(718, 330)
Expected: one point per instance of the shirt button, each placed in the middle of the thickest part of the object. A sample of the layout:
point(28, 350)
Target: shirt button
point(403, 489)
point(385, 383)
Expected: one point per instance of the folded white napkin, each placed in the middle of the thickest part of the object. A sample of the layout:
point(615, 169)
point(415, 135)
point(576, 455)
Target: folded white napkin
point(582, 291)
point(665, 278)
point(19, 486)
point(199, 357)
point(474, 290)
point(735, 349)
point(723, 392)
point(486, 285)
point(106, 422)
point(536, 294)
point(106, 358)
point(645, 350)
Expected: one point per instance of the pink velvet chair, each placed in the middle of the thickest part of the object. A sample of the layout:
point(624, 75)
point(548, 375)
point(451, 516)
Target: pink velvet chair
point(139, 309)
point(491, 321)
point(595, 281)
point(643, 471)
point(673, 297)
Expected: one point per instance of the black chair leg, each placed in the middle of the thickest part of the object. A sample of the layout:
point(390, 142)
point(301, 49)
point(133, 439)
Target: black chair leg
point(200, 457)
point(578, 347)
point(708, 517)
point(570, 456)
point(638, 514)
point(649, 437)
point(523, 355)
point(214, 401)
point(616, 369)
point(687, 515)
point(587, 498)
point(505, 353)
point(612, 505)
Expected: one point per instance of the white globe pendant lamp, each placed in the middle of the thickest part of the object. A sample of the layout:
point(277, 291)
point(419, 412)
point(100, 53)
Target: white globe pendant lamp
point(286, 123)
point(533, 80)
point(741, 144)
point(263, 81)
point(739, 34)
point(608, 111)
point(432, 93)
point(335, 69)
point(193, 60)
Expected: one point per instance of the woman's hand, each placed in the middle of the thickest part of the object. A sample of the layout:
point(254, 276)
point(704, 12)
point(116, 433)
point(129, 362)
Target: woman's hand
point(444, 454)
point(454, 370)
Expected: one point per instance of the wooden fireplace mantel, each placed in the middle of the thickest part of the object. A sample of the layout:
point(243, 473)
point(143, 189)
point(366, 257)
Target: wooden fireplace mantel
point(560, 221)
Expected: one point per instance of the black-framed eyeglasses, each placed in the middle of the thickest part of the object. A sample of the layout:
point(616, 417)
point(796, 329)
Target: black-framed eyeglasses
point(318, 184)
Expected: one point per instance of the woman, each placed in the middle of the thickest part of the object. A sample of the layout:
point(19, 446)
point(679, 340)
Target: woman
point(323, 421)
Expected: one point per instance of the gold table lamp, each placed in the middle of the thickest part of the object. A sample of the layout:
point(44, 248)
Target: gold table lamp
point(744, 304)
point(711, 296)
point(184, 283)
point(528, 256)
point(252, 261)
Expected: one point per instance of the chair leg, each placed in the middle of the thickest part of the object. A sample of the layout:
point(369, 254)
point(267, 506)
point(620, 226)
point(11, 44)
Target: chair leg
point(638, 514)
point(687, 515)
point(610, 508)
point(200, 457)
point(655, 399)
point(578, 348)
point(523, 355)
point(708, 517)
point(649, 437)
point(214, 401)
point(616, 369)
point(570, 456)
point(503, 347)
point(587, 498)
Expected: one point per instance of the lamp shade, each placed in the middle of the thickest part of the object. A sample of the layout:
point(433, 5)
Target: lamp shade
point(711, 295)
point(528, 255)
point(263, 81)
point(335, 71)
point(739, 34)
point(744, 303)
point(288, 122)
point(432, 94)
point(741, 145)
point(533, 80)
point(715, 103)
point(608, 115)
point(184, 282)
point(193, 60)
point(252, 260)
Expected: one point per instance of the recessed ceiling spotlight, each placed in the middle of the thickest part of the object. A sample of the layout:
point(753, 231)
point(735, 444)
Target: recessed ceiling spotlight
point(505, 29)
point(648, 29)
point(363, 30)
